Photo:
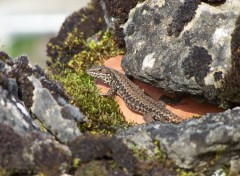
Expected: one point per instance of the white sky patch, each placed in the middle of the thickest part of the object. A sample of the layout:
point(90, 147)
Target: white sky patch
point(148, 61)
point(219, 35)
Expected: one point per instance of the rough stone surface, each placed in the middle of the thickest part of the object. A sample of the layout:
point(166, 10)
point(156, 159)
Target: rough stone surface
point(200, 144)
point(100, 153)
point(26, 87)
point(14, 113)
point(85, 22)
point(234, 169)
point(23, 148)
point(181, 46)
point(48, 111)
point(31, 153)
point(115, 14)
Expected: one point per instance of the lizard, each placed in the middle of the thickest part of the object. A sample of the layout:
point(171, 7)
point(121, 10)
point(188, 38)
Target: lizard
point(133, 96)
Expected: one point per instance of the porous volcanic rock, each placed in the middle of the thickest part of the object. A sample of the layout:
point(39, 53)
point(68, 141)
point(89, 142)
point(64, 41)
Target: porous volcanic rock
point(24, 149)
point(115, 14)
point(25, 87)
point(81, 24)
point(12, 111)
point(32, 152)
point(204, 144)
point(182, 46)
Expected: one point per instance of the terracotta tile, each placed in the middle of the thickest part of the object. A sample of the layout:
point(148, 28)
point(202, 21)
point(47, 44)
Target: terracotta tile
point(187, 107)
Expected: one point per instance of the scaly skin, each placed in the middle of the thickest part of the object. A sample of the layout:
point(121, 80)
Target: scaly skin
point(133, 96)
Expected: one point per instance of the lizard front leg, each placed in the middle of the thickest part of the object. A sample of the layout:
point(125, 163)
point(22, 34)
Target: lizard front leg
point(110, 92)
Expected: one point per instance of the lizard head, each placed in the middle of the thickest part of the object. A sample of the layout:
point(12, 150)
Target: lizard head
point(101, 72)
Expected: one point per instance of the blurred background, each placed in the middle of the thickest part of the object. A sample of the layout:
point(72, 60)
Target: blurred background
point(27, 25)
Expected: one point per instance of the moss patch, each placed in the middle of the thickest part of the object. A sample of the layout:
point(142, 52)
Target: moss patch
point(3, 172)
point(87, 21)
point(186, 173)
point(102, 112)
point(77, 47)
point(95, 51)
point(112, 155)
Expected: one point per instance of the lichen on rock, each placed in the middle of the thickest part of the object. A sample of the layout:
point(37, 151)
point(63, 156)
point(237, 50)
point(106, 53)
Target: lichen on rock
point(230, 90)
point(166, 46)
point(30, 153)
point(201, 145)
point(84, 49)
point(83, 23)
point(24, 148)
point(43, 96)
point(116, 14)
point(183, 46)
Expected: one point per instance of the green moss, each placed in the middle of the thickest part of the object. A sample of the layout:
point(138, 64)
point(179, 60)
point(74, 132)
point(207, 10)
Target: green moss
point(102, 112)
point(217, 156)
point(41, 174)
point(75, 163)
point(3, 172)
point(39, 123)
point(185, 173)
point(142, 154)
point(157, 150)
point(93, 168)
point(94, 52)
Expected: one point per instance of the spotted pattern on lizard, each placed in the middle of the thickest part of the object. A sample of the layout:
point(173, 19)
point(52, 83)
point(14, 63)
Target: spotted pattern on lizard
point(133, 96)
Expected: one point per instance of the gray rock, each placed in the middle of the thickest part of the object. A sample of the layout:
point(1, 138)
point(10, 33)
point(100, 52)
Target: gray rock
point(234, 168)
point(49, 112)
point(24, 87)
point(116, 14)
point(193, 144)
point(141, 141)
point(48, 102)
point(69, 111)
point(13, 113)
point(181, 46)
point(23, 147)
point(33, 152)
point(82, 24)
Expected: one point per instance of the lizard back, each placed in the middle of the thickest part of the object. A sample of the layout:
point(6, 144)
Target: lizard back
point(133, 96)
